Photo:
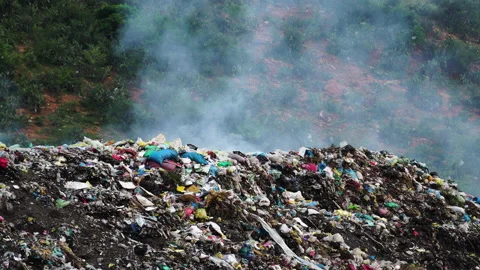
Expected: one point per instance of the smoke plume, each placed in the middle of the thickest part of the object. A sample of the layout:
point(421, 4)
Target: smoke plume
point(260, 75)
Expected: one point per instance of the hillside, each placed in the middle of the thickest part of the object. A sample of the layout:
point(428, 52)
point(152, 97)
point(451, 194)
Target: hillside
point(397, 75)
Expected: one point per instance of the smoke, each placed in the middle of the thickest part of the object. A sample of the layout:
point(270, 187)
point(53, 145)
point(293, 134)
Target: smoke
point(260, 75)
point(196, 79)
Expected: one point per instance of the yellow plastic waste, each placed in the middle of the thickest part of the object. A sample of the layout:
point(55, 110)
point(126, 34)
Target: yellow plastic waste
point(439, 181)
point(109, 142)
point(342, 213)
point(201, 213)
point(192, 188)
point(181, 189)
point(394, 162)
point(3, 146)
point(79, 144)
point(258, 253)
point(141, 143)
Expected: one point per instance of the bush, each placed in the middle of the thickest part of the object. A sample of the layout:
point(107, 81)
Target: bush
point(473, 93)
point(6, 59)
point(109, 18)
point(462, 17)
point(111, 106)
point(333, 46)
point(395, 132)
point(431, 69)
point(294, 34)
point(304, 68)
point(9, 102)
point(423, 93)
point(284, 96)
point(32, 96)
point(61, 80)
point(121, 115)
point(418, 35)
point(394, 62)
point(100, 99)
point(128, 61)
point(458, 57)
point(474, 76)
point(56, 50)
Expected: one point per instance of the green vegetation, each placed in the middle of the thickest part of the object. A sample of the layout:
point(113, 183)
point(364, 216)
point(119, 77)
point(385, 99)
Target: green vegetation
point(461, 17)
point(57, 47)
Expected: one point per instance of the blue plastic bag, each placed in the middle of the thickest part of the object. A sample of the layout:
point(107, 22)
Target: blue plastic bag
point(321, 166)
point(195, 157)
point(160, 156)
point(213, 171)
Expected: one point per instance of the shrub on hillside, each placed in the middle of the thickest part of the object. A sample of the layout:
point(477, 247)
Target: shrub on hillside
point(9, 102)
point(294, 34)
point(100, 99)
point(458, 57)
point(61, 80)
point(462, 17)
point(32, 95)
point(109, 18)
point(6, 59)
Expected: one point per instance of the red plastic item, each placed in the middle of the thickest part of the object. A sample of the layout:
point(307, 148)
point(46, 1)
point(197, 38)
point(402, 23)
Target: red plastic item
point(117, 157)
point(188, 211)
point(128, 151)
point(310, 167)
point(169, 165)
point(3, 162)
point(212, 154)
point(367, 267)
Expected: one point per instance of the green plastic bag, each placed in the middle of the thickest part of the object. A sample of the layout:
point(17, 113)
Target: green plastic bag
point(224, 164)
point(62, 203)
point(391, 205)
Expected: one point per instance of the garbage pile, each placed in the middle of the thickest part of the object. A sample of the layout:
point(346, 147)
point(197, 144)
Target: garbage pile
point(165, 205)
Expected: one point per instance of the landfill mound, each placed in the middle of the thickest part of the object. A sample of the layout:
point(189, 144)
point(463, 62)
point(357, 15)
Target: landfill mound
point(164, 205)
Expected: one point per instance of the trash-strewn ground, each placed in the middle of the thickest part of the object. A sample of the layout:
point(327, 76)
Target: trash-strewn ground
point(164, 205)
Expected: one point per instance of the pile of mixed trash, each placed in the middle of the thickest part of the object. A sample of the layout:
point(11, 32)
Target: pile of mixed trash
point(164, 205)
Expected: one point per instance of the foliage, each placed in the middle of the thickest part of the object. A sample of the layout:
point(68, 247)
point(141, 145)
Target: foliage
point(9, 119)
point(460, 16)
point(458, 57)
point(53, 46)
point(109, 18)
point(209, 33)
point(294, 34)
point(61, 80)
point(32, 95)
point(66, 125)
point(6, 61)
